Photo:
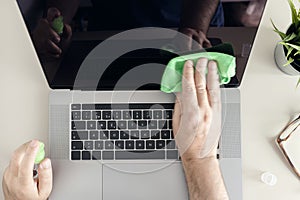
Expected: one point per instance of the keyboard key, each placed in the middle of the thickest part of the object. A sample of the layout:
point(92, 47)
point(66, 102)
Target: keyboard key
point(122, 125)
point(134, 134)
point(139, 144)
point(137, 114)
point(160, 144)
point(94, 135)
point(78, 125)
point(101, 125)
point(170, 124)
point(106, 114)
point(96, 155)
point(91, 125)
point(111, 125)
point(145, 134)
point(152, 124)
point(88, 145)
point(96, 115)
point(77, 145)
point(86, 155)
point(171, 144)
point(99, 145)
point(147, 114)
point(168, 114)
point(129, 144)
point(75, 155)
point(155, 134)
point(132, 124)
point(103, 135)
point(142, 124)
point(75, 106)
point(76, 115)
point(172, 154)
point(126, 114)
point(139, 155)
point(119, 144)
point(79, 135)
point(124, 135)
point(162, 124)
point(157, 114)
point(150, 144)
point(114, 135)
point(86, 115)
point(117, 114)
point(109, 144)
point(107, 155)
point(165, 134)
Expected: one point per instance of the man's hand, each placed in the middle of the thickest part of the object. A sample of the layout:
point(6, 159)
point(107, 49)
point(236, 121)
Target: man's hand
point(196, 125)
point(18, 182)
point(196, 39)
point(196, 108)
point(48, 43)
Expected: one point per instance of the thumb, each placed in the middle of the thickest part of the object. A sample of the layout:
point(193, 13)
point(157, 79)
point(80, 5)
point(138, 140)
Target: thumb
point(52, 13)
point(45, 178)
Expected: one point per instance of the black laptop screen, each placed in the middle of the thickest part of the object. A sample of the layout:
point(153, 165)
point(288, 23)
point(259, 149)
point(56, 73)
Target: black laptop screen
point(68, 37)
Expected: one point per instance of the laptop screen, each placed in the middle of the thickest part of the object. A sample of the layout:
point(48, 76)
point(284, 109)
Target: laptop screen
point(106, 45)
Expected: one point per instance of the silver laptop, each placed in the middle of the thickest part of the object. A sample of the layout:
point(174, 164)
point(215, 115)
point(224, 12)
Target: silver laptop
point(110, 127)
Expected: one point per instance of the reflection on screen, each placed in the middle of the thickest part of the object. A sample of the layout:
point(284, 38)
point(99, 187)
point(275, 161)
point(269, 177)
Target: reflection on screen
point(64, 32)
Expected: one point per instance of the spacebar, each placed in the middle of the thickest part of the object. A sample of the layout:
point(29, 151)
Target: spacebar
point(119, 155)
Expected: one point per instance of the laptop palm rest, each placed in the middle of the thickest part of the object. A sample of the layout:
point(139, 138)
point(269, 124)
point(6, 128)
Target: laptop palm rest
point(144, 181)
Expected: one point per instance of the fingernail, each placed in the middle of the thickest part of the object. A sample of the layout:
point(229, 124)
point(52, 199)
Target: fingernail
point(189, 63)
point(46, 164)
point(34, 143)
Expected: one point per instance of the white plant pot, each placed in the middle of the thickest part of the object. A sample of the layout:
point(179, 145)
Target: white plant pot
point(281, 60)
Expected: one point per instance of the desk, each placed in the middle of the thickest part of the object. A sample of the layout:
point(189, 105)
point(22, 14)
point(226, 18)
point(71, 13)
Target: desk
point(268, 98)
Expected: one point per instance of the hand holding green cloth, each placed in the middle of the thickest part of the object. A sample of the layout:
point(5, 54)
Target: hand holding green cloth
point(172, 77)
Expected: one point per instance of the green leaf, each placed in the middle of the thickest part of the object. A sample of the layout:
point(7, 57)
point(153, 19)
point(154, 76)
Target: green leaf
point(298, 52)
point(281, 34)
point(290, 37)
point(290, 60)
point(292, 45)
point(294, 13)
point(290, 49)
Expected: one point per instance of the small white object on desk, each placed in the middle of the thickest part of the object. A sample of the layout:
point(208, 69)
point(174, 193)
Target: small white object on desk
point(269, 178)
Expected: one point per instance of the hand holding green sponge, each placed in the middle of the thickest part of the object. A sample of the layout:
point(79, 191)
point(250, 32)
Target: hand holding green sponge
point(172, 77)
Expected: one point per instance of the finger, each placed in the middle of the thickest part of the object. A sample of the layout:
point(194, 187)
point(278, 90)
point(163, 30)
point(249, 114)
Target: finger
point(67, 32)
point(16, 159)
point(189, 97)
point(176, 116)
point(45, 178)
point(54, 36)
point(213, 85)
point(26, 166)
point(200, 82)
point(52, 14)
point(52, 48)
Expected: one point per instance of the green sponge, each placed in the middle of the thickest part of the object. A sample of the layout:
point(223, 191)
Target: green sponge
point(58, 25)
point(172, 77)
point(40, 154)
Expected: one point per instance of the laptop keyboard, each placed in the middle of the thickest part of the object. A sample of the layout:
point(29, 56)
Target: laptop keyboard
point(122, 132)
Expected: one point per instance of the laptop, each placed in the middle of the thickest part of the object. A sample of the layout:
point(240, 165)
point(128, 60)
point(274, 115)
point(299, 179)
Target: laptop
point(110, 127)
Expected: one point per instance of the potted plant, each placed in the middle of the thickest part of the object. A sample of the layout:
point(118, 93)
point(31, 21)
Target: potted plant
point(287, 51)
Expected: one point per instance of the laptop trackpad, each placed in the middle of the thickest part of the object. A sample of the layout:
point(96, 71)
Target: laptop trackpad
point(76, 180)
point(144, 181)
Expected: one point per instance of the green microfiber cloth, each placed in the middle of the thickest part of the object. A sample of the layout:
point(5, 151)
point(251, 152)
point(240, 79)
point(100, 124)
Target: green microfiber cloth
point(40, 154)
point(58, 25)
point(171, 79)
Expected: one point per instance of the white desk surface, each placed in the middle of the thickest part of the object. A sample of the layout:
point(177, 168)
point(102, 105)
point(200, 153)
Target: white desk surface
point(268, 96)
